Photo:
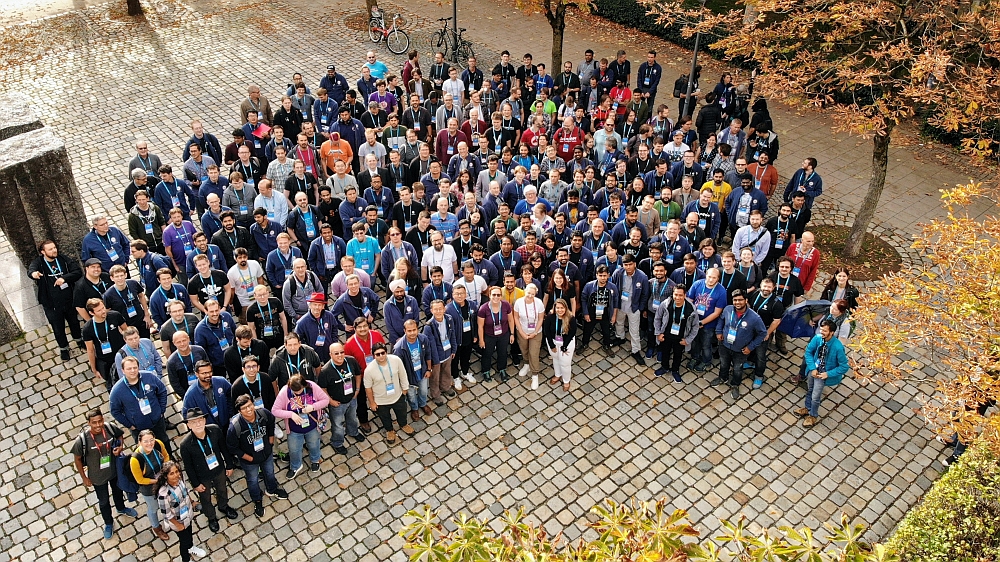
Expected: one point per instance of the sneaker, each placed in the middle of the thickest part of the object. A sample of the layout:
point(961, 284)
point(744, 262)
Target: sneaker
point(314, 468)
point(801, 412)
point(281, 493)
point(524, 370)
point(213, 525)
point(278, 433)
point(948, 461)
point(342, 450)
point(639, 359)
point(360, 437)
point(660, 372)
point(440, 401)
point(504, 377)
point(293, 472)
point(64, 353)
point(736, 392)
point(649, 353)
point(458, 383)
point(534, 382)
point(129, 511)
point(390, 436)
point(716, 381)
point(81, 344)
point(469, 378)
point(700, 367)
point(758, 382)
point(408, 429)
point(487, 377)
point(748, 365)
point(809, 421)
point(109, 530)
point(197, 552)
point(450, 393)
point(258, 508)
point(231, 514)
point(677, 377)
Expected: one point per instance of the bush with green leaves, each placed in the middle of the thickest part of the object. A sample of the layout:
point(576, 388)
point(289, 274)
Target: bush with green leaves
point(959, 518)
point(640, 532)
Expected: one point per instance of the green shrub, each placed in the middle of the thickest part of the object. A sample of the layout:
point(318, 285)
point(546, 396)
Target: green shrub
point(959, 518)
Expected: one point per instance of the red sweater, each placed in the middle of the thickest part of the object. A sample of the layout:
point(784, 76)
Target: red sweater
point(808, 265)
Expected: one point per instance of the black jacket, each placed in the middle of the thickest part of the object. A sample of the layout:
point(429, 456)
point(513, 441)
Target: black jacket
point(233, 359)
point(709, 120)
point(49, 295)
point(194, 455)
point(549, 332)
point(241, 434)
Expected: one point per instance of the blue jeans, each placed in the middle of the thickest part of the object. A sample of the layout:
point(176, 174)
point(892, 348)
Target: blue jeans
point(760, 360)
point(295, 441)
point(701, 347)
point(346, 412)
point(814, 395)
point(152, 511)
point(252, 472)
point(417, 396)
point(731, 359)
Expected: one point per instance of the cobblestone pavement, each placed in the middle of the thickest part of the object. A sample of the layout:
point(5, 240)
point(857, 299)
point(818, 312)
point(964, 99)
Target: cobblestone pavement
point(619, 433)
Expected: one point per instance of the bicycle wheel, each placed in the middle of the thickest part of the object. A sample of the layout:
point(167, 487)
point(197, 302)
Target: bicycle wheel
point(397, 41)
point(373, 34)
point(465, 52)
point(439, 42)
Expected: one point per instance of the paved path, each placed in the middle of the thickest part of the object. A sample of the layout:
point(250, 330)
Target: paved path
point(619, 433)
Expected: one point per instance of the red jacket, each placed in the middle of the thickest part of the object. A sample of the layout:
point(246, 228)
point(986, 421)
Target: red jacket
point(807, 264)
point(444, 141)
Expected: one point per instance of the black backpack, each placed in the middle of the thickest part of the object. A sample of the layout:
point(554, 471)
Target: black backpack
point(127, 470)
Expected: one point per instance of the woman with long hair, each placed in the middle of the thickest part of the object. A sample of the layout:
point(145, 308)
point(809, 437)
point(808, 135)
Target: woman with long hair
point(176, 509)
point(559, 334)
point(560, 288)
point(147, 461)
point(402, 269)
point(840, 287)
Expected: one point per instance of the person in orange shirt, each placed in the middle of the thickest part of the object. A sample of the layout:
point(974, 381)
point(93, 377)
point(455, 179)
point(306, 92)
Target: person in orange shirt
point(764, 174)
point(335, 149)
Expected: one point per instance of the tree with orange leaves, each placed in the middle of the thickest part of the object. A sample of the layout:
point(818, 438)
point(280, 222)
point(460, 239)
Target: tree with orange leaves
point(873, 63)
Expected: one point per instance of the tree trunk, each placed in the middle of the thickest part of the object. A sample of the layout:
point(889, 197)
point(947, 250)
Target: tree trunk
point(134, 7)
point(880, 161)
point(558, 22)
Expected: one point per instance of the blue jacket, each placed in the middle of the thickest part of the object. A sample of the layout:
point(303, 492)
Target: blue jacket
point(195, 398)
point(713, 209)
point(149, 359)
point(512, 263)
point(431, 293)
point(276, 266)
point(215, 255)
point(125, 401)
point(101, 247)
point(394, 319)
point(638, 293)
point(335, 88)
point(812, 185)
point(836, 359)
point(750, 329)
point(267, 241)
point(147, 270)
point(329, 111)
point(384, 201)
point(344, 307)
point(402, 350)
point(351, 213)
point(620, 232)
point(758, 202)
point(433, 332)
point(352, 131)
point(655, 183)
point(210, 223)
point(165, 193)
point(648, 78)
point(679, 276)
point(388, 261)
point(210, 338)
point(158, 302)
point(317, 256)
point(298, 223)
point(309, 329)
point(589, 290)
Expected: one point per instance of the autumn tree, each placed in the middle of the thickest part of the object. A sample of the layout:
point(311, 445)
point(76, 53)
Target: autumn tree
point(872, 63)
point(941, 319)
point(555, 12)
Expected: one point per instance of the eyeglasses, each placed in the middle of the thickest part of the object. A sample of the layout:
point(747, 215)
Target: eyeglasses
point(379, 353)
point(394, 234)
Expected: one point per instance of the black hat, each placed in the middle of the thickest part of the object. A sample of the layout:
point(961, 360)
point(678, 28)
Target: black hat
point(193, 414)
point(92, 261)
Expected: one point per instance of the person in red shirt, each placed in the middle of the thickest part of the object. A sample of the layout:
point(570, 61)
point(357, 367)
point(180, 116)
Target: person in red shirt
point(359, 346)
point(620, 96)
point(764, 174)
point(567, 138)
point(805, 257)
point(447, 141)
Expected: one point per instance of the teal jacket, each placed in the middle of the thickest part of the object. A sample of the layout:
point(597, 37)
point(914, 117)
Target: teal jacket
point(836, 359)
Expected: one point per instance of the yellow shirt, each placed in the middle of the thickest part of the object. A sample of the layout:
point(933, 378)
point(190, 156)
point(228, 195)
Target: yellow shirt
point(512, 296)
point(719, 192)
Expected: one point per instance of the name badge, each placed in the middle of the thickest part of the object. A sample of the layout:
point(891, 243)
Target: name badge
point(212, 461)
point(365, 264)
point(366, 311)
point(309, 169)
point(731, 335)
point(149, 228)
point(244, 209)
point(467, 326)
point(558, 339)
point(497, 330)
point(187, 247)
point(183, 512)
point(175, 201)
point(320, 340)
point(131, 311)
point(112, 254)
point(796, 271)
point(600, 311)
point(310, 231)
point(380, 211)
point(702, 223)
point(369, 359)
point(268, 331)
point(565, 147)
point(192, 378)
point(446, 345)
point(105, 462)
point(331, 264)
point(779, 244)
point(304, 421)
point(675, 329)
point(323, 119)
point(656, 303)
point(390, 389)
point(451, 150)
point(407, 224)
point(144, 406)
point(626, 295)
point(224, 343)
point(215, 412)
point(64, 286)
point(258, 403)
point(701, 309)
point(416, 126)
point(348, 386)
point(258, 444)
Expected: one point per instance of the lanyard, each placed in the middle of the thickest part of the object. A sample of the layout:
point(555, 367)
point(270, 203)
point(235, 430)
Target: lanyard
point(298, 363)
point(212, 328)
point(127, 292)
point(343, 379)
point(200, 446)
point(183, 364)
point(459, 311)
point(757, 300)
point(147, 164)
point(56, 270)
point(159, 463)
point(723, 280)
point(783, 286)
point(98, 445)
point(128, 351)
point(261, 310)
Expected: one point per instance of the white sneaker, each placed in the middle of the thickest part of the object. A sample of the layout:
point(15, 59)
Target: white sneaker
point(197, 552)
point(278, 434)
point(458, 383)
point(524, 370)
point(534, 382)
point(469, 378)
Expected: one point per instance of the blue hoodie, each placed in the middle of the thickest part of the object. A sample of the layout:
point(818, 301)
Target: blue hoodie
point(125, 401)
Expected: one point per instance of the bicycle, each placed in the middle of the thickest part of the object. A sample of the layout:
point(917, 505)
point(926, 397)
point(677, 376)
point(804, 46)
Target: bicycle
point(395, 39)
point(456, 48)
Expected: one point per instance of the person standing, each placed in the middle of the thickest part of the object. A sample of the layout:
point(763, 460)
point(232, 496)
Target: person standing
point(442, 335)
point(54, 276)
point(529, 314)
point(147, 461)
point(739, 331)
point(176, 510)
point(559, 333)
point(826, 365)
point(496, 333)
point(95, 453)
point(770, 309)
point(414, 349)
point(341, 379)
point(210, 394)
point(302, 405)
point(386, 385)
point(598, 304)
point(462, 312)
point(250, 439)
point(633, 296)
point(676, 326)
point(209, 464)
point(139, 401)
point(102, 334)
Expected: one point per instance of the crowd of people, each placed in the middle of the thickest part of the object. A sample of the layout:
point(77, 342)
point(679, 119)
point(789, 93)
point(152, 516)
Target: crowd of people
point(364, 251)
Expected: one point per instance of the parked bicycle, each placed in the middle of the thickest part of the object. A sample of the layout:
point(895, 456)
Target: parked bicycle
point(396, 39)
point(455, 48)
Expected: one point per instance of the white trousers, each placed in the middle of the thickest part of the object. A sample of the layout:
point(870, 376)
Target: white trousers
point(562, 362)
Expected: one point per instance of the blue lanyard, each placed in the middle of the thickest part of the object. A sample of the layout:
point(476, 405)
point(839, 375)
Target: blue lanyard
point(133, 354)
point(55, 271)
point(183, 364)
point(164, 293)
point(200, 446)
point(732, 276)
point(260, 387)
point(101, 240)
point(176, 329)
point(298, 362)
point(211, 280)
point(127, 292)
point(223, 329)
point(261, 310)
point(159, 463)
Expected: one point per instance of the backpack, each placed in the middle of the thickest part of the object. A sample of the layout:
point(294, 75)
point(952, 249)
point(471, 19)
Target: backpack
point(126, 479)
